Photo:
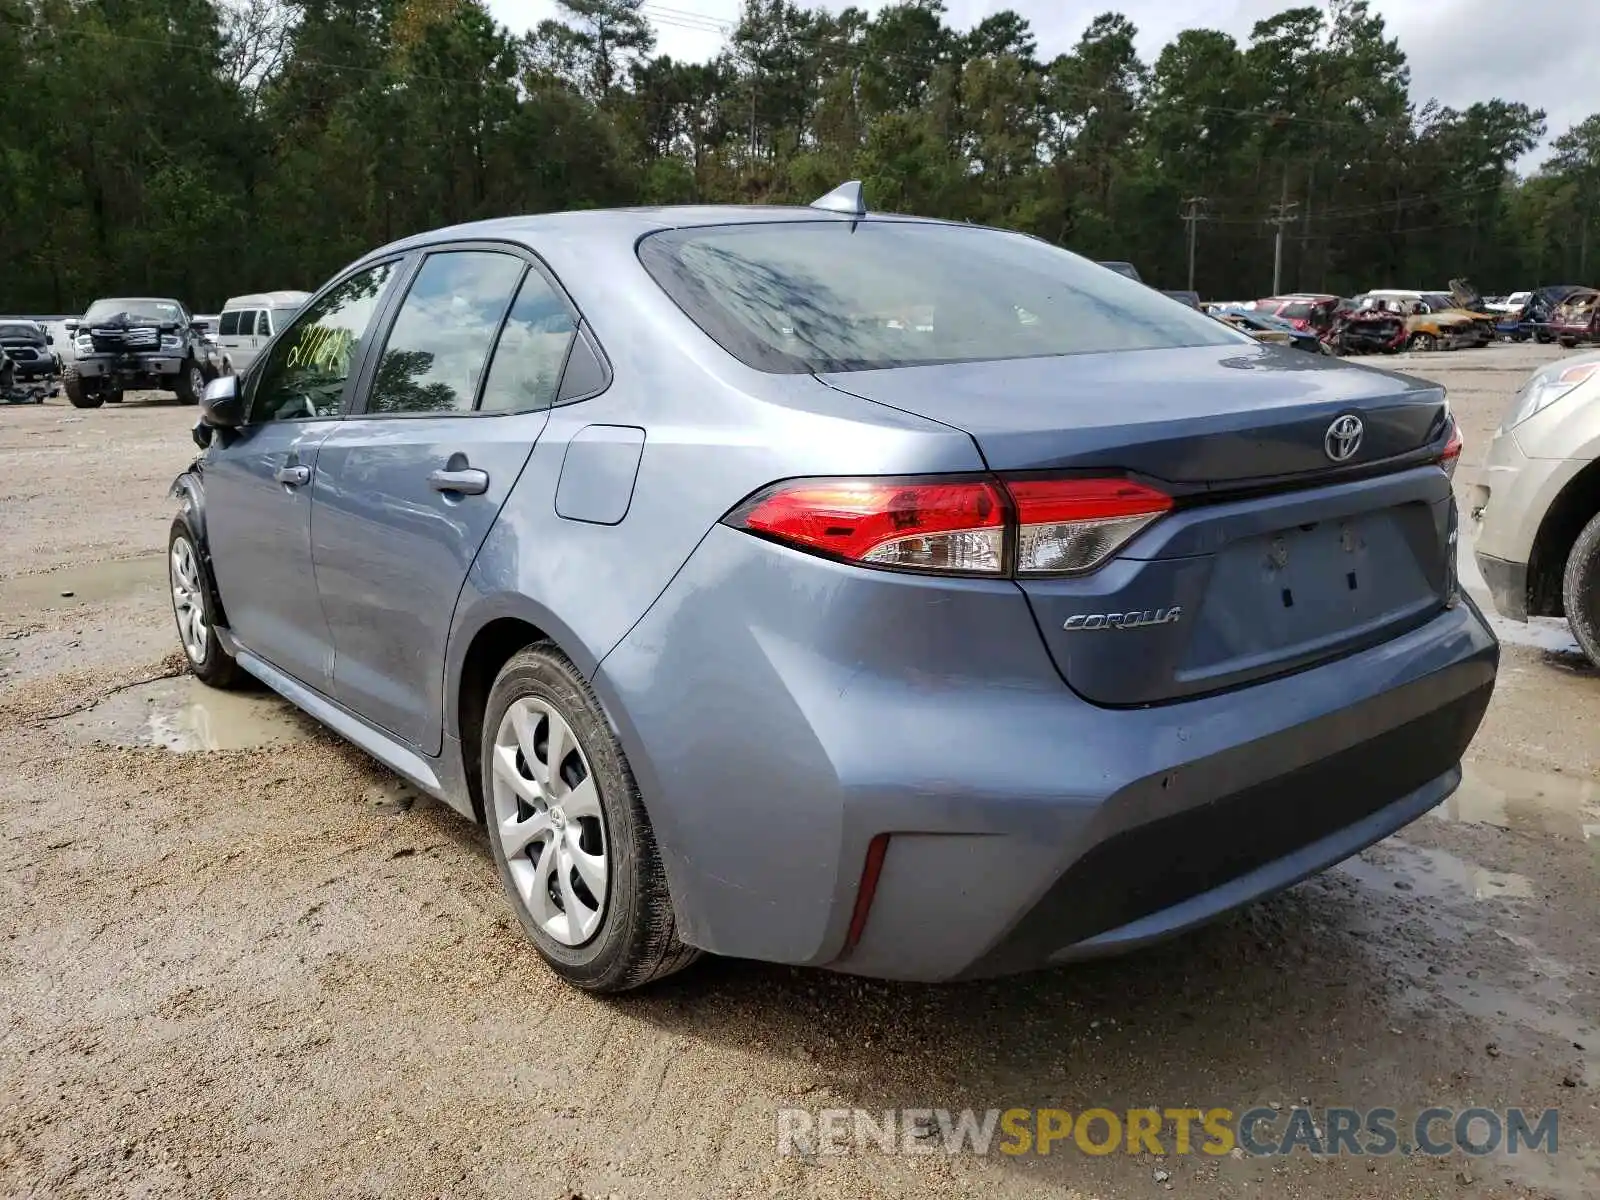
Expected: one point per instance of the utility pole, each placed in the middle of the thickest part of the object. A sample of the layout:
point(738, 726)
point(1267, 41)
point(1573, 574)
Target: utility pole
point(1282, 214)
point(1192, 217)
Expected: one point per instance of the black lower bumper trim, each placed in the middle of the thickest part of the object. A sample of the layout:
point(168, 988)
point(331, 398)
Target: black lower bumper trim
point(1155, 866)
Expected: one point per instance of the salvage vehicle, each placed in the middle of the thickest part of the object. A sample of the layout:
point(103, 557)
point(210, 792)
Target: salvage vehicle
point(1463, 298)
point(143, 343)
point(1309, 311)
point(1265, 328)
point(1535, 509)
point(1541, 309)
point(1577, 318)
point(1456, 302)
point(1358, 330)
point(28, 345)
point(17, 390)
point(1425, 329)
point(1052, 622)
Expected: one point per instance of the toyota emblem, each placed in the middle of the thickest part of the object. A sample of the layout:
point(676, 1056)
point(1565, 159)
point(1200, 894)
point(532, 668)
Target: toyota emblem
point(1343, 438)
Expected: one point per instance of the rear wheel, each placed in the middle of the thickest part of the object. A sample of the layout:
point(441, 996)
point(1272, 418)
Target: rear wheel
point(194, 611)
point(571, 840)
point(1422, 342)
point(79, 392)
point(1580, 590)
point(1569, 343)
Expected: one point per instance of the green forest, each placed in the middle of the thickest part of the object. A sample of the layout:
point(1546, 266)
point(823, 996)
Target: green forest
point(196, 149)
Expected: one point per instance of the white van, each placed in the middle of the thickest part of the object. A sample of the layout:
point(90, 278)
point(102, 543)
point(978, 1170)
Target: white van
point(248, 321)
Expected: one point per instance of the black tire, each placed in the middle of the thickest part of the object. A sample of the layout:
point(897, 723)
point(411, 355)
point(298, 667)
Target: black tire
point(1422, 342)
point(78, 392)
point(636, 941)
point(1569, 343)
point(1543, 338)
point(190, 384)
point(113, 395)
point(1580, 590)
point(216, 668)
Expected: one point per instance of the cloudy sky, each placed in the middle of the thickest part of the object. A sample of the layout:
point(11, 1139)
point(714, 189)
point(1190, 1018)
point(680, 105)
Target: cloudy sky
point(1542, 52)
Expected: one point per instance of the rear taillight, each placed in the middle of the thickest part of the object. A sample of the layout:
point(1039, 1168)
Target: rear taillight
point(914, 524)
point(1071, 525)
point(973, 526)
point(1451, 454)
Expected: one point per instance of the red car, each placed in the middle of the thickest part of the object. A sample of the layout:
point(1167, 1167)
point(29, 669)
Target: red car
point(1577, 319)
point(1307, 311)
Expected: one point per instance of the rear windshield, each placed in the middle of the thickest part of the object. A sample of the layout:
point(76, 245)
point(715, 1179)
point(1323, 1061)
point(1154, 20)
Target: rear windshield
point(1297, 311)
point(850, 296)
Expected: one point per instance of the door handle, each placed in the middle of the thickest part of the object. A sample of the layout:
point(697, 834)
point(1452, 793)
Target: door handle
point(292, 476)
point(469, 481)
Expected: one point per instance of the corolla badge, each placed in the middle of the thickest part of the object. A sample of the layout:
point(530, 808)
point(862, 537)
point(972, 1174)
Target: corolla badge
point(1343, 438)
point(1125, 620)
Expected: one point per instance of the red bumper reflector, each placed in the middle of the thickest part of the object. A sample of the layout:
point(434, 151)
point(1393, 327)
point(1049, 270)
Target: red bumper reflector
point(870, 871)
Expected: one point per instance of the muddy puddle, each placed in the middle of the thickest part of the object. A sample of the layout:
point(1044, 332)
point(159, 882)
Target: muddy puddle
point(94, 583)
point(1396, 866)
point(183, 715)
point(1540, 802)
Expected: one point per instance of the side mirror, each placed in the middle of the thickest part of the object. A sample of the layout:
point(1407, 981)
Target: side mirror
point(222, 407)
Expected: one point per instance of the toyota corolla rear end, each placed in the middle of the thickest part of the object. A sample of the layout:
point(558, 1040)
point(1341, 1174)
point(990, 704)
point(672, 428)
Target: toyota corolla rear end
point(1186, 632)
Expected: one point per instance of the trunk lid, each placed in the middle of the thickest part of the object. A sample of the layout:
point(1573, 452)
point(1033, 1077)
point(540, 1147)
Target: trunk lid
point(1275, 556)
point(1214, 417)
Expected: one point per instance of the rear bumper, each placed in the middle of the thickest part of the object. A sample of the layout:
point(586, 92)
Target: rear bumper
point(780, 712)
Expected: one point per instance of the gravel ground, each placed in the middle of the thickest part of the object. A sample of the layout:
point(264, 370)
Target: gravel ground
point(270, 969)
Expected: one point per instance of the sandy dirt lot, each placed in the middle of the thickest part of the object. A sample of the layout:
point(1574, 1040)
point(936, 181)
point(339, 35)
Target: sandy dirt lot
point(239, 958)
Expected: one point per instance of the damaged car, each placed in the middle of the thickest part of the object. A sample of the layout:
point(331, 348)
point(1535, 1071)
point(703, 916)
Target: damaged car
point(28, 345)
point(141, 343)
point(1271, 330)
point(1577, 318)
point(1039, 622)
point(1426, 329)
point(1358, 330)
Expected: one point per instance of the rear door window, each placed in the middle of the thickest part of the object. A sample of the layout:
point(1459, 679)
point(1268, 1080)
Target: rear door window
point(439, 343)
point(795, 296)
point(531, 352)
point(229, 325)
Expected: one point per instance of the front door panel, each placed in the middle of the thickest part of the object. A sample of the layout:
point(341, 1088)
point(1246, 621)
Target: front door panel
point(258, 529)
point(407, 491)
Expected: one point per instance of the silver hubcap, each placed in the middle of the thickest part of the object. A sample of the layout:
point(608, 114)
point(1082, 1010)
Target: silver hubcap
point(197, 382)
point(187, 604)
point(548, 819)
